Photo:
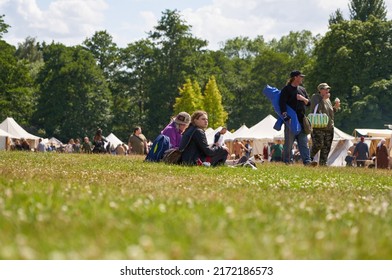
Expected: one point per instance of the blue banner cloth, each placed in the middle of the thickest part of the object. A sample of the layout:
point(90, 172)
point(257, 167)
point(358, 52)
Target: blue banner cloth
point(273, 94)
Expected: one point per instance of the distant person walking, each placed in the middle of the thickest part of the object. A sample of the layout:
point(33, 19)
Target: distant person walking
point(361, 152)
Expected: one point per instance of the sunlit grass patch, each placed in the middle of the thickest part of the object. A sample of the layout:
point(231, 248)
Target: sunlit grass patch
point(72, 206)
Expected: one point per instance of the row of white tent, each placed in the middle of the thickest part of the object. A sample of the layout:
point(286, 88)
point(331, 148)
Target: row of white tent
point(9, 128)
point(260, 135)
point(263, 133)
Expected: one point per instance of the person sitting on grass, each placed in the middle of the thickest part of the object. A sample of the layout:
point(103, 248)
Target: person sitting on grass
point(175, 129)
point(195, 146)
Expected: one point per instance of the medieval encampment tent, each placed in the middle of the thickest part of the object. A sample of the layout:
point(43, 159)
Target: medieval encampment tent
point(10, 126)
point(113, 140)
point(373, 137)
point(53, 141)
point(340, 144)
point(210, 134)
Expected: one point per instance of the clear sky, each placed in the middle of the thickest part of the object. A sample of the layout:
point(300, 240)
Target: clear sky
point(72, 21)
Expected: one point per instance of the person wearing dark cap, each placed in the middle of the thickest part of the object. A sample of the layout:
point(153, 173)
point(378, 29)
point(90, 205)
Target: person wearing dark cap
point(295, 96)
point(361, 152)
point(175, 128)
point(322, 137)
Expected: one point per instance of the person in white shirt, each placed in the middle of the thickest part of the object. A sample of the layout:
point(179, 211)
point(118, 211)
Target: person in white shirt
point(219, 137)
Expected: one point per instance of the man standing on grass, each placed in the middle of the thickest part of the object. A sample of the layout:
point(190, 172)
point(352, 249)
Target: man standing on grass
point(361, 152)
point(295, 96)
point(138, 142)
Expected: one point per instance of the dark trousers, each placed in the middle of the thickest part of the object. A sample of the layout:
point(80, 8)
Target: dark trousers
point(219, 158)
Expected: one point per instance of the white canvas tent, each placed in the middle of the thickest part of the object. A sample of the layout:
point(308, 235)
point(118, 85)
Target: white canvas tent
point(210, 134)
point(240, 134)
point(113, 140)
point(53, 142)
point(5, 139)
point(6, 134)
point(373, 137)
point(260, 134)
point(380, 133)
point(340, 145)
point(263, 133)
point(10, 126)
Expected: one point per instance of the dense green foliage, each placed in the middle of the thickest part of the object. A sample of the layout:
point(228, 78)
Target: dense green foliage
point(212, 102)
point(71, 80)
point(358, 66)
point(190, 98)
point(17, 96)
point(70, 91)
point(363, 9)
point(3, 26)
point(79, 206)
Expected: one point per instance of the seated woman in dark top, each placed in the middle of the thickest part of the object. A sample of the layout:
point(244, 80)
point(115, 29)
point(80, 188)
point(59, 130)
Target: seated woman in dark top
point(194, 144)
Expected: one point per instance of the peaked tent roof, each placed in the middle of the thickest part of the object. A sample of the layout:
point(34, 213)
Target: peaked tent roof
point(264, 129)
point(210, 134)
point(241, 133)
point(53, 141)
point(6, 134)
point(12, 127)
point(385, 133)
point(114, 140)
point(209, 130)
point(340, 135)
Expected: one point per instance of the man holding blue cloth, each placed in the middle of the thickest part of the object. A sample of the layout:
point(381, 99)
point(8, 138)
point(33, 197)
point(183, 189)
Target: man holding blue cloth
point(295, 96)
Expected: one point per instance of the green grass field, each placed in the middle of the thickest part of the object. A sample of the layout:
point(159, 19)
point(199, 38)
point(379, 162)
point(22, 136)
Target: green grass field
point(75, 206)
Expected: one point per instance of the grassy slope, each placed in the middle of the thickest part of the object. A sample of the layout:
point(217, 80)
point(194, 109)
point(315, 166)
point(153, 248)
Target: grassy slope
point(60, 206)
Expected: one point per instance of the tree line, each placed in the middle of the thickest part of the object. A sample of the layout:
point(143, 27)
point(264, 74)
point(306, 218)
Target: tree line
point(67, 92)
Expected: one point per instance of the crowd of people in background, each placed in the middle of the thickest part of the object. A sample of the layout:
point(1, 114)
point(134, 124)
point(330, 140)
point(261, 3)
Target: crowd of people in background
point(187, 133)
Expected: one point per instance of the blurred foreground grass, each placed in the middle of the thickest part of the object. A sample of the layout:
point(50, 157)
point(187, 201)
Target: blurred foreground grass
point(73, 206)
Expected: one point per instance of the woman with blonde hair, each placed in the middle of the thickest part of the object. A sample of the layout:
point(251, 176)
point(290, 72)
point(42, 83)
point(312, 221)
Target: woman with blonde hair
point(194, 144)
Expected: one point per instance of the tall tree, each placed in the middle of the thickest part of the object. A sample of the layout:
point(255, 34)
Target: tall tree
point(189, 99)
point(131, 85)
point(295, 44)
point(176, 56)
point(3, 26)
point(235, 62)
point(355, 58)
point(217, 115)
point(363, 9)
point(17, 89)
point(199, 102)
point(104, 50)
point(30, 51)
point(336, 17)
point(74, 98)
